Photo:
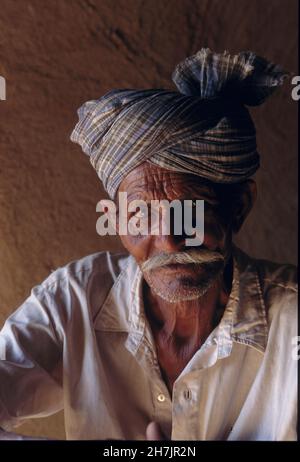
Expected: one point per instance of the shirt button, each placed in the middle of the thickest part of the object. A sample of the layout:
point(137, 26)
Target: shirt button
point(187, 394)
point(161, 398)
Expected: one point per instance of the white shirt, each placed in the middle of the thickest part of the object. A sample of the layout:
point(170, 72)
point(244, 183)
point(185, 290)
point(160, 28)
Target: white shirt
point(81, 342)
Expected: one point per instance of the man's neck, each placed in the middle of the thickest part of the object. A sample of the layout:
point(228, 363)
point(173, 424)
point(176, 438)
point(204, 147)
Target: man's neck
point(179, 329)
point(188, 322)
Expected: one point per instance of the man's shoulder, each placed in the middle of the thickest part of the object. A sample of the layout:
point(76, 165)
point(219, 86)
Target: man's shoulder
point(279, 282)
point(271, 274)
point(82, 284)
point(283, 276)
point(103, 264)
point(278, 287)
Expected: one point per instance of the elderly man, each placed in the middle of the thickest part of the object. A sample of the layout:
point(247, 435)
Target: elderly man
point(166, 341)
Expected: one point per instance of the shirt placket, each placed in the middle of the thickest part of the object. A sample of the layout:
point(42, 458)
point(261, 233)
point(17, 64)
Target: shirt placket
point(178, 414)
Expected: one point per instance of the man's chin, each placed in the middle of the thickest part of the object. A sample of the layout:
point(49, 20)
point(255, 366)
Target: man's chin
point(185, 278)
point(179, 268)
point(175, 283)
point(186, 290)
point(181, 296)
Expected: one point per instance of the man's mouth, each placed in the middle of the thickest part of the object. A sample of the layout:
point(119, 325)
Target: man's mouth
point(180, 267)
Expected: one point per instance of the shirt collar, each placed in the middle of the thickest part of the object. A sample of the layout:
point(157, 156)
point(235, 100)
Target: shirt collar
point(244, 319)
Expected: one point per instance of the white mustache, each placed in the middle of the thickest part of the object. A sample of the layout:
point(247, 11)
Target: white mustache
point(203, 256)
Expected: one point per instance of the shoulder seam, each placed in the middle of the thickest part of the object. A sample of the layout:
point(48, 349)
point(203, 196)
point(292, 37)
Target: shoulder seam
point(278, 284)
point(47, 285)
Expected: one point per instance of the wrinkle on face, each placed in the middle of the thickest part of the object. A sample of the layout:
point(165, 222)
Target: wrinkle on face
point(148, 182)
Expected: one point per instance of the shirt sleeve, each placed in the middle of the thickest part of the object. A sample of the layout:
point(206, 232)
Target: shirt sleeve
point(31, 347)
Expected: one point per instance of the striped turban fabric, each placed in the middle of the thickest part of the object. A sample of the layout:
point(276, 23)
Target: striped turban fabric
point(204, 127)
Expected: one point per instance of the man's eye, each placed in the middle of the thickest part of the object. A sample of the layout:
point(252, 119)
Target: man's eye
point(212, 203)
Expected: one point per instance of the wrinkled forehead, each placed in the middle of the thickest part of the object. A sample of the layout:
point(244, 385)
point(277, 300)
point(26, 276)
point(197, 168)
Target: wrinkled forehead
point(148, 180)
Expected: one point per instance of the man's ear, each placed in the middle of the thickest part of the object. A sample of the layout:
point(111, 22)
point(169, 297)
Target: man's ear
point(244, 204)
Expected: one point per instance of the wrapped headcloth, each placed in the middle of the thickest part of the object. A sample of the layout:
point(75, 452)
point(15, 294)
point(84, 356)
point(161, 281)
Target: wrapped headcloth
point(204, 128)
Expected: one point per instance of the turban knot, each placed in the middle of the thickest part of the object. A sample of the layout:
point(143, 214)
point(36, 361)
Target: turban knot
point(204, 127)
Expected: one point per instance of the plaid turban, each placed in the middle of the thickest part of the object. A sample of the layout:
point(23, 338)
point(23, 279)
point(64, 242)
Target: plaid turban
point(204, 128)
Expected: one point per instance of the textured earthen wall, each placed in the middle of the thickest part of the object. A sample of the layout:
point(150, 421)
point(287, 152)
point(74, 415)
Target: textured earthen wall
point(55, 55)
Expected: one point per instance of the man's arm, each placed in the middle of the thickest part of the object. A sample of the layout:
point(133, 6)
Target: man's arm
point(30, 363)
point(8, 436)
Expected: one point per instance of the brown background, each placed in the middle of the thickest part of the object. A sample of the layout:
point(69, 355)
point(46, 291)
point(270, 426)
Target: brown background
point(57, 54)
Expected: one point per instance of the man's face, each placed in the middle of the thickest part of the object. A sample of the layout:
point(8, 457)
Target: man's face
point(188, 280)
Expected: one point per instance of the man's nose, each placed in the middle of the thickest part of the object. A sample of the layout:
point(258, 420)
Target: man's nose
point(173, 241)
point(169, 243)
